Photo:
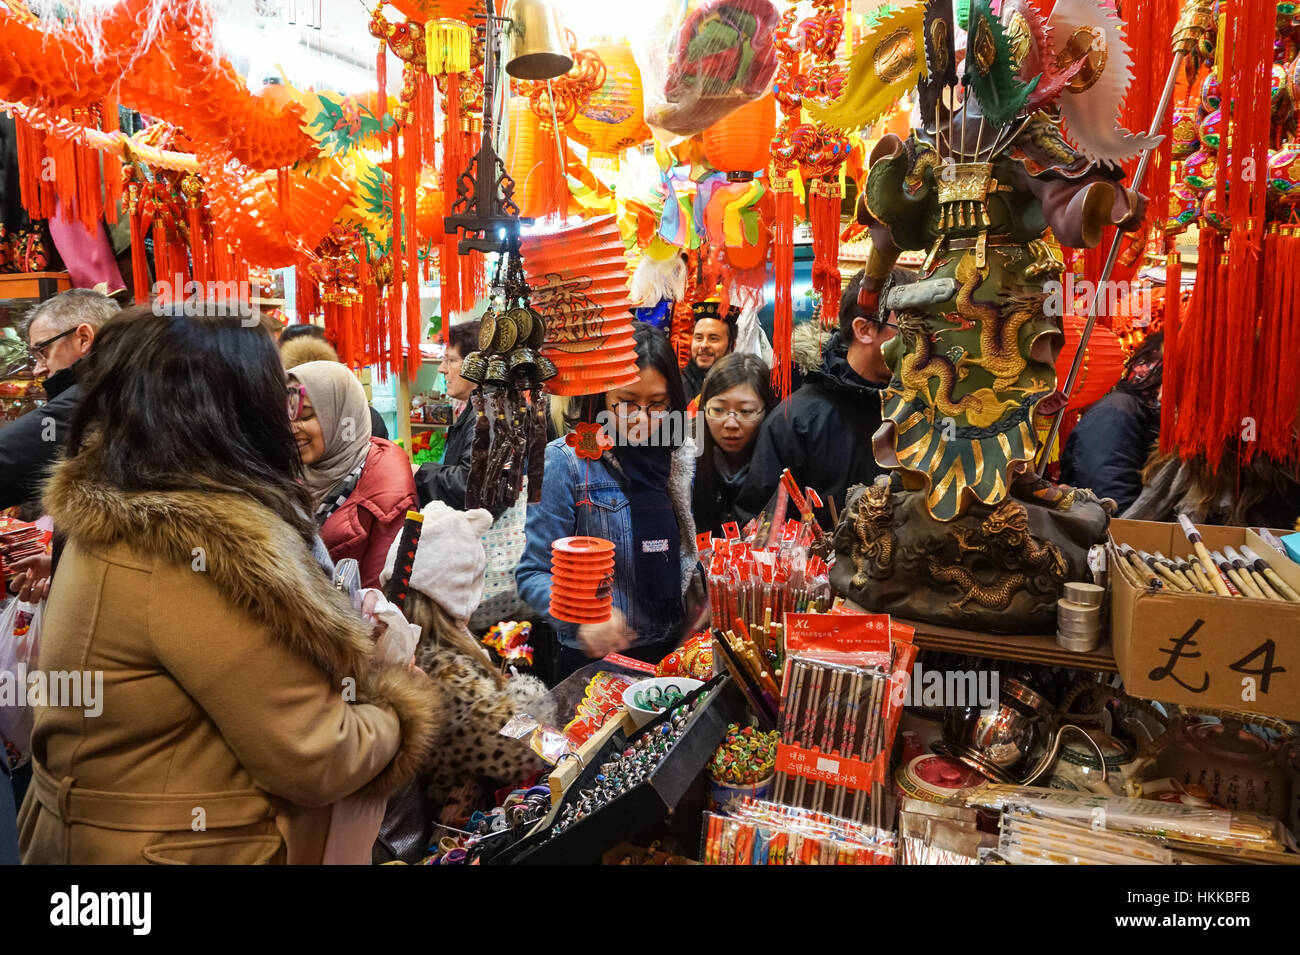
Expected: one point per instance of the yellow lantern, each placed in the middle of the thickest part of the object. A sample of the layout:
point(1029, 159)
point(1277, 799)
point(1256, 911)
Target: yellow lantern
point(612, 120)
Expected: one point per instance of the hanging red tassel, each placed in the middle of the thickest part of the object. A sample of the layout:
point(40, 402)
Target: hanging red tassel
point(412, 160)
point(783, 277)
point(139, 268)
point(426, 88)
point(824, 209)
point(1172, 322)
point(381, 75)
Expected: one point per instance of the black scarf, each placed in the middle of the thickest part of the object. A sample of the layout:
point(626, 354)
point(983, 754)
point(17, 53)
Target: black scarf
point(656, 540)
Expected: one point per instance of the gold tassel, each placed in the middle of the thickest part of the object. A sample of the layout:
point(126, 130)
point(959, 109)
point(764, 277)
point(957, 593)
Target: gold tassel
point(446, 46)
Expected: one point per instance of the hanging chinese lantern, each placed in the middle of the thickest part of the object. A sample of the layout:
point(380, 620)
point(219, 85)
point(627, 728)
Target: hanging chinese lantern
point(1103, 363)
point(739, 144)
point(532, 159)
point(578, 277)
point(612, 121)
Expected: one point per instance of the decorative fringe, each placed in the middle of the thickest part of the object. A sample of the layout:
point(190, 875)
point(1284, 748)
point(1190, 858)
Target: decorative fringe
point(139, 265)
point(783, 276)
point(1171, 380)
point(381, 77)
point(411, 170)
point(453, 164)
point(824, 211)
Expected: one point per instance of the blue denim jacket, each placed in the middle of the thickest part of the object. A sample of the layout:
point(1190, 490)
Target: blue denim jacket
point(569, 479)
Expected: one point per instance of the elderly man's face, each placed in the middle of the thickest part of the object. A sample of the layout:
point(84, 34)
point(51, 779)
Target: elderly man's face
point(54, 350)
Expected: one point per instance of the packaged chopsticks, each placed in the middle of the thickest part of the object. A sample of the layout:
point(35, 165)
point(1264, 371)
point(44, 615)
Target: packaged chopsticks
point(841, 696)
point(763, 833)
point(1029, 839)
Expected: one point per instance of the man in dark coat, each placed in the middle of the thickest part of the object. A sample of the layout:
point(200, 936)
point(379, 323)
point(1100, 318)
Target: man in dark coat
point(1110, 445)
point(823, 431)
point(446, 481)
point(59, 333)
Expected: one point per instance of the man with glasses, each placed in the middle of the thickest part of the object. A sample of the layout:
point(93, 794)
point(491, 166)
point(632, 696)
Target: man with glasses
point(823, 431)
point(446, 481)
point(59, 333)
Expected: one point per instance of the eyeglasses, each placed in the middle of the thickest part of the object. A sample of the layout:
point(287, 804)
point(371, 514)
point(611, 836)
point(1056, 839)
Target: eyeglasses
point(629, 409)
point(717, 413)
point(296, 395)
point(38, 350)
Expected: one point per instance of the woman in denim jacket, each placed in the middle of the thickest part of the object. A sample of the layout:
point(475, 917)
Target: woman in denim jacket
point(637, 495)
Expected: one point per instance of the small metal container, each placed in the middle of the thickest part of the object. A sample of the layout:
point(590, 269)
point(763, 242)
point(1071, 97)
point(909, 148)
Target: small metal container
point(1076, 616)
point(1079, 644)
point(1088, 595)
point(474, 367)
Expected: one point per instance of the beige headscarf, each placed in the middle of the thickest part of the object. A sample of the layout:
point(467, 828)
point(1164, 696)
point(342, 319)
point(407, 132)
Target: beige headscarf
point(340, 404)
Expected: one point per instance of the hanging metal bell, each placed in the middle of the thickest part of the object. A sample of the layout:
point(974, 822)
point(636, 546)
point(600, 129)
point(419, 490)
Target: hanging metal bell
point(498, 373)
point(546, 368)
point(537, 47)
point(474, 367)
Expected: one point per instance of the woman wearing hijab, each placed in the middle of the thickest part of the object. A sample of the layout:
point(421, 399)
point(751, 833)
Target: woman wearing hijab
point(361, 486)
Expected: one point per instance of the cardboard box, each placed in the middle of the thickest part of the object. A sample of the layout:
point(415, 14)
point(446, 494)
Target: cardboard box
point(1199, 650)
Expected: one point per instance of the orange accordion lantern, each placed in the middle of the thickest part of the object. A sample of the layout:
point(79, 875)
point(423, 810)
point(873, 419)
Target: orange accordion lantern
point(578, 277)
point(611, 120)
point(582, 578)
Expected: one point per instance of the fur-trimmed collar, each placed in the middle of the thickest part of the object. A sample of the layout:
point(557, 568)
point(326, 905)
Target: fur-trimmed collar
point(261, 565)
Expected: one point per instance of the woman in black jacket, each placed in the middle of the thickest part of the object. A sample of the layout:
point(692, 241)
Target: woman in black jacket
point(736, 397)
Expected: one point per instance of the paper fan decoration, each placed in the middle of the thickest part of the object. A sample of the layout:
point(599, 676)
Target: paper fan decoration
point(579, 277)
point(1089, 30)
point(582, 579)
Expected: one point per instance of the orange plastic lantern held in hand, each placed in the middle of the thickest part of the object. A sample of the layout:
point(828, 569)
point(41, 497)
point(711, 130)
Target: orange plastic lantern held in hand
point(739, 144)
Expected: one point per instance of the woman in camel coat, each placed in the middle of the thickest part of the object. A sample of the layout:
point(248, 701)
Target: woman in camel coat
point(241, 698)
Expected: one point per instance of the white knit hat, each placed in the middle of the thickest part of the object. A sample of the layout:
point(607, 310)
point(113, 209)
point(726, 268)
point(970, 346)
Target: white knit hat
point(450, 559)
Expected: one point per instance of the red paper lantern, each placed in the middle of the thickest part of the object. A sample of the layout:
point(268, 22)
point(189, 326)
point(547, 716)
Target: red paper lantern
point(739, 144)
point(1103, 363)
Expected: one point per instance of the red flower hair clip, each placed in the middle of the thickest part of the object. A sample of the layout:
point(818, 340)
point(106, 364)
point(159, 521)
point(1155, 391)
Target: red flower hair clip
point(590, 440)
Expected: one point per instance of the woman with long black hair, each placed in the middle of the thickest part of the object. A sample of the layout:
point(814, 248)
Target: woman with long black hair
point(242, 695)
point(637, 495)
point(736, 397)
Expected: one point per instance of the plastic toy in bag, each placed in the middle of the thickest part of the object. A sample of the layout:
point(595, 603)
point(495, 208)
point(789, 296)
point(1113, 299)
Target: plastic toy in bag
point(715, 58)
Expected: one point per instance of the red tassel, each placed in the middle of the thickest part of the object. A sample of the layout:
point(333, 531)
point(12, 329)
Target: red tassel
point(139, 268)
point(1171, 324)
point(783, 275)
point(381, 75)
point(824, 209)
point(412, 160)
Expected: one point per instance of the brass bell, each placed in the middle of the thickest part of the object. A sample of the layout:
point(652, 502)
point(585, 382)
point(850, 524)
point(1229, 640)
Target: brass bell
point(474, 367)
point(546, 368)
point(497, 372)
point(537, 47)
point(522, 358)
